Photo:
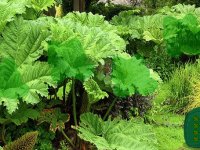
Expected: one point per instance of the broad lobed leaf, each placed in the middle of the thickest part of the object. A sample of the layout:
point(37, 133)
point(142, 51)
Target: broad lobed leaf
point(69, 59)
point(116, 134)
point(130, 76)
point(21, 76)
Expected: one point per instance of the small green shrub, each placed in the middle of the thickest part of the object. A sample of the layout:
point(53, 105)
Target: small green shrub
point(174, 93)
point(161, 62)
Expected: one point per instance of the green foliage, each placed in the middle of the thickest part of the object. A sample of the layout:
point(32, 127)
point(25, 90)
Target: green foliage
point(97, 43)
point(22, 44)
point(40, 5)
point(21, 115)
point(94, 92)
point(108, 10)
point(54, 117)
point(22, 41)
point(122, 22)
point(10, 8)
point(153, 4)
point(25, 142)
point(77, 43)
point(37, 77)
point(175, 92)
point(182, 35)
point(169, 137)
point(70, 60)
point(148, 28)
point(162, 63)
point(180, 10)
point(130, 76)
point(64, 146)
point(67, 90)
point(194, 96)
point(116, 134)
point(91, 20)
point(168, 119)
point(11, 87)
point(168, 128)
point(45, 138)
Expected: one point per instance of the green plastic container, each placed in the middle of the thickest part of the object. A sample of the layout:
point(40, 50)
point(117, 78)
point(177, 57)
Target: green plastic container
point(192, 128)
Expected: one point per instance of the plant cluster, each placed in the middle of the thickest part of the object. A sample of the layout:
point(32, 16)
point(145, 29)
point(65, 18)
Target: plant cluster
point(50, 71)
point(71, 77)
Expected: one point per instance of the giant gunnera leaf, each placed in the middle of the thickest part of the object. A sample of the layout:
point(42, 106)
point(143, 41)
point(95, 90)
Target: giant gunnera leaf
point(8, 10)
point(91, 20)
point(182, 36)
point(11, 88)
point(116, 134)
point(130, 76)
point(22, 44)
point(40, 5)
point(22, 41)
point(70, 60)
point(97, 43)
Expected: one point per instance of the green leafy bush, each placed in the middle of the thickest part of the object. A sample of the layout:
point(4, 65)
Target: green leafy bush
point(182, 35)
point(147, 28)
point(162, 63)
point(174, 94)
point(52, 62)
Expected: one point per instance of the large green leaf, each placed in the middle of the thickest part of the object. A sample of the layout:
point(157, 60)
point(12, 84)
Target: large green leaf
point(148, 28)
point(116, 134)
point(28, 84)
point(40, 5)
point(11, 87)
point(91, 20)
point(130, 76)
point(22, 41)
point(9, 8)
point(70, 60)
point(37, 77)
point(182, 35)
point(22, 44)
point(97, 43)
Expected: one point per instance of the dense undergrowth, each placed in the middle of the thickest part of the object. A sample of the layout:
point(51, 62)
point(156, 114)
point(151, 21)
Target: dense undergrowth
point(83, 82)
